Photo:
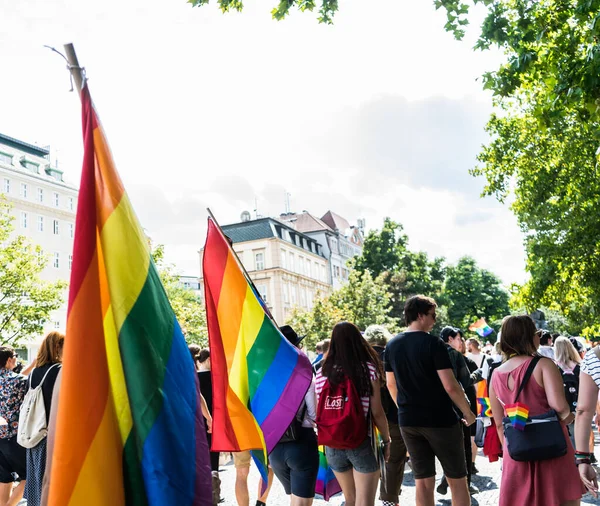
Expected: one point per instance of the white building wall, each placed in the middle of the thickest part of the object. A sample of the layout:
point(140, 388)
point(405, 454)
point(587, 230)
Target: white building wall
point(44, 209)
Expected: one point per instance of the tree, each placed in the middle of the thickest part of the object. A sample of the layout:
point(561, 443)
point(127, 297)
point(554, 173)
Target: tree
point(473, 293)
point(326, 10)
point(403, 272)
point(362, 301)
point(188, 307)
point(26, 302)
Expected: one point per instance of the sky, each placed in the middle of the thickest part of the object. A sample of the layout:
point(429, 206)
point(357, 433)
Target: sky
point(381, 114)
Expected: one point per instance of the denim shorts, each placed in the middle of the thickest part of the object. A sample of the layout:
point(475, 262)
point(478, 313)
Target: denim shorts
point(361, 459)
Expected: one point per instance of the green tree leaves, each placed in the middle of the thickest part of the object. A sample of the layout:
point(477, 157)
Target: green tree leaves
point(26, 301)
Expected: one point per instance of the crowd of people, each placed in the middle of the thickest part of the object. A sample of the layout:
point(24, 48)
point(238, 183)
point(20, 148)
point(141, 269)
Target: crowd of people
point(375, 403)
point(378, 402)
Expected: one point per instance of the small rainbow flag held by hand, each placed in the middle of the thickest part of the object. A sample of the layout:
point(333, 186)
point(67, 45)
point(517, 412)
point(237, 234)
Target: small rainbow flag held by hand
point(486, 408)
point(518, 414)
point(327, 484)
point(481, 327)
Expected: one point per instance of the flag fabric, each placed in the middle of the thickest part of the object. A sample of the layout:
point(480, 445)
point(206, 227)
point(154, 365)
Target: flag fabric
point(485, 408)
point(129, 427)
point(481, 390)
point(327, 484)
point(518, 414)
point(481, 327)
point(259, 379)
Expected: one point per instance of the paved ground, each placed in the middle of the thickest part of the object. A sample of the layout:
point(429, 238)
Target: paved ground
point(488, 482)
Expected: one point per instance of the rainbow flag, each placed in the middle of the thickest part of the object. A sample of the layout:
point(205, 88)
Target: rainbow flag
point(485, 406)
point(327, 484)
point(481, 327)
point(259, 379)
point(129, 427)
point(518, 414)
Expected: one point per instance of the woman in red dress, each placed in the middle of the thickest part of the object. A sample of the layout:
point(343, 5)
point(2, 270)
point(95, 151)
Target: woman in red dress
point(553, 482)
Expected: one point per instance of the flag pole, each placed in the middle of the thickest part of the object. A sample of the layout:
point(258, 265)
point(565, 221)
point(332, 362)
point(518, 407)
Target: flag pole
point(246, 275)
point(77, 72)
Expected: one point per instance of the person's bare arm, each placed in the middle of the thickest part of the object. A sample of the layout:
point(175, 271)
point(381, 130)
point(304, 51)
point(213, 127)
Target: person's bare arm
point(497, 413)
point(555, 390)
point(391, 386)
point(586, 405)
point(456, 393)
point(29, 368)
point(379, 417)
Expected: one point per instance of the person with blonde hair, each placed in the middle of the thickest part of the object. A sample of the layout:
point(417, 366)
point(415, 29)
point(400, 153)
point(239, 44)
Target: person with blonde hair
point(565, 354)
point(47, 367)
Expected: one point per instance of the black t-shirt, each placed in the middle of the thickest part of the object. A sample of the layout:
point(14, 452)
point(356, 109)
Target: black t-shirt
point(36, 377)
point(206, 388)
point(415, 357)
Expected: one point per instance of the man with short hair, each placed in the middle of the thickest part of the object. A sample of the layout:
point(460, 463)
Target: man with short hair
point(545, 349)
point(474, 351)
point(324, 352)
point(420, 378)
point(12, 455)
point(319, 352)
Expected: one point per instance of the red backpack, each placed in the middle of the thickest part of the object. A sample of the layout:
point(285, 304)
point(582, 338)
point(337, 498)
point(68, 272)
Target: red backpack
point(341, 422)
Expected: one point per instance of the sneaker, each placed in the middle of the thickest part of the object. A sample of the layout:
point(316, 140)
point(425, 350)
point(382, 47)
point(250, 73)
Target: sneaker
point(442, 488)
point(473, 490)
point(474, 469)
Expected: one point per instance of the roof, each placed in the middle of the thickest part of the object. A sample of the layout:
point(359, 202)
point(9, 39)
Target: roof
point(306, 222)
point(24, 146)
point(266, 228)
point(249, 230)
point(336, 222)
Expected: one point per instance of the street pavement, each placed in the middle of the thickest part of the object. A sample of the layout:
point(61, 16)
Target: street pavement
point(487, 481)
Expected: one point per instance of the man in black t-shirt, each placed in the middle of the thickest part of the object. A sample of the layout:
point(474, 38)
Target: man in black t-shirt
point(420, 378)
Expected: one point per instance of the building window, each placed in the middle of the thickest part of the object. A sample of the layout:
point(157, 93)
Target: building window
point(55, 227)
point(71, 203)
point(293, 294)
point(70, 261)
point(24, 190)
point(40, 195)
point(286, 293)
point(323, 276)
point(300, 265)
point(291, 266)
point(259, 261)
point(56, 200)
point(40, 224)
point(6, 185)
point(71, 230)
point(6, 159)
point(56, 263)
point(57, 325)
point(40, 256)
point(30, 166)
point(302, 297)
point(23, 220)
point(310, 299)
point(262, 291)
point(283, 259)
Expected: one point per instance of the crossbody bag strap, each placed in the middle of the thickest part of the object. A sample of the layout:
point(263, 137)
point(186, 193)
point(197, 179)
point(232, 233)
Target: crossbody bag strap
point(528, 374)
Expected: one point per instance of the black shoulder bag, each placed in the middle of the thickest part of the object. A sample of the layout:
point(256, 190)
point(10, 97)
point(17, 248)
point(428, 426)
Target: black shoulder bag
point(542, 438)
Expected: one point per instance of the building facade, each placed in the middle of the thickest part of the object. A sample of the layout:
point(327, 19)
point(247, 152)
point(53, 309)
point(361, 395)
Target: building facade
point(288, 268)
point(340, 240)
point(44, 207)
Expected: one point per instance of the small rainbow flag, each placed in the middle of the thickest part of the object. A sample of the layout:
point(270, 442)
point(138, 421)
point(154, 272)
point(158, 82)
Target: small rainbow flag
point(327, 484)
point(486, 407)
point(518, 414)
point(129, 428)
point(481, 327)
point(259, 379)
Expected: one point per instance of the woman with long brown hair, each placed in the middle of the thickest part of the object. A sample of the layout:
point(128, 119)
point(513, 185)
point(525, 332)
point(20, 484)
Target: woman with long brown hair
point(47, 367)
point(352, 362)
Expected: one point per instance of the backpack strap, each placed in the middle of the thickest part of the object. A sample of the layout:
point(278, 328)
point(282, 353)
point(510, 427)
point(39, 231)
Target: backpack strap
point(528, 374)
point(42, 382)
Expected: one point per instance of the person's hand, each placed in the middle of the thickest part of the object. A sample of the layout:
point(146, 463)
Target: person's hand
point(386, 451)
point(209, 425)
point(469, 419)
point(588, 476)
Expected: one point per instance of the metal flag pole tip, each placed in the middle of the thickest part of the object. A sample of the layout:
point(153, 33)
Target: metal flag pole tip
point(71, 66)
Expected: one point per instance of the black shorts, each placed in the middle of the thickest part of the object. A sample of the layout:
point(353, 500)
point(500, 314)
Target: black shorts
point(424, 444)
point(296, 464)
point(12, 460)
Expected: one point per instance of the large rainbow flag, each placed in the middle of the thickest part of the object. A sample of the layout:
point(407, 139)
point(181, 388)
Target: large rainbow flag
point(259, 379)
point(129, 426)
